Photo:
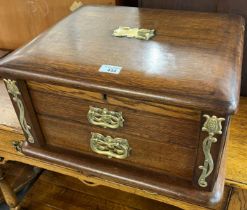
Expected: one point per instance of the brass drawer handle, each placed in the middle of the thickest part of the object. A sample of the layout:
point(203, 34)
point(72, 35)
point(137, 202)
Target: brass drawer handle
point(112, 147)
point(105, 118)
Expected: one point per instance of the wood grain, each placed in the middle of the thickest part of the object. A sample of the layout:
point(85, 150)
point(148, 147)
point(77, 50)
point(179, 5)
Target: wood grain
point(237, 148)
point(112, 194)
point(60, 192)
point(238, 7)
point(56, 133)
point(215, 56)
point(238, 200)
point(168, 128)
point(171, 131)
point(236, 152)
point(159, 109)
point(18, 175)
point(22, 20)
point(238, 178)
point(147, 134)
point(101, 192)
point(7, 192)
point(66, 91)
point(165, 87)
point(10, 154)
point(193, 61)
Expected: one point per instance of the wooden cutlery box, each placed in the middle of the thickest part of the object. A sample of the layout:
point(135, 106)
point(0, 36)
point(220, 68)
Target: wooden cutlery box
point(140, 97)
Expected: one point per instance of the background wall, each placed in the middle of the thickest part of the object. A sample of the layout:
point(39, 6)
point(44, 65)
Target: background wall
point(22, 20)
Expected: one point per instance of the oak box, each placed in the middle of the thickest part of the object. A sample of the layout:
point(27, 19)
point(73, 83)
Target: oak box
point(141, 97)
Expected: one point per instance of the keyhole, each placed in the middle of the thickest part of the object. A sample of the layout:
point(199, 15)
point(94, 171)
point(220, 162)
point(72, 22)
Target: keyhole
point(104, 97)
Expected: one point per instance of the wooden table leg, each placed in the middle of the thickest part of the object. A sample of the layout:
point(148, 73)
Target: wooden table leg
point(8, 194)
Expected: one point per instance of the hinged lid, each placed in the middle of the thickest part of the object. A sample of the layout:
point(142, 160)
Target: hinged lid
point(194, 59)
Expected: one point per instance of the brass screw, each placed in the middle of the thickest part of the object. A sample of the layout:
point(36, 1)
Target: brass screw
point(17, 145)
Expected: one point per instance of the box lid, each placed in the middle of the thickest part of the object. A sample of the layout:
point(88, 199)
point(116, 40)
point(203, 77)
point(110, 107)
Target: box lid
point(194, 60)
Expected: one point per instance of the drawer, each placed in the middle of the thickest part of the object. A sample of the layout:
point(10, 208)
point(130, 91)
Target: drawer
point(161, 156)
point(152, 122)
point(161, 134)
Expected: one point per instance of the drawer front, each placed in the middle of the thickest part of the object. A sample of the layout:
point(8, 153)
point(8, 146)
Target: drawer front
point(68, 117)
point(149, 121)
point(146, 154)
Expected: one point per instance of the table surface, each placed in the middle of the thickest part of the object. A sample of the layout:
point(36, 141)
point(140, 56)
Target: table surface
point(236, 173)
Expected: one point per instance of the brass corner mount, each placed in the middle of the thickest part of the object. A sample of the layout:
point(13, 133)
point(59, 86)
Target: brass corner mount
point(213, 126)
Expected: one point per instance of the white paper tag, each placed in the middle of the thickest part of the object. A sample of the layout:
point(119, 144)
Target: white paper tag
point(110, 69)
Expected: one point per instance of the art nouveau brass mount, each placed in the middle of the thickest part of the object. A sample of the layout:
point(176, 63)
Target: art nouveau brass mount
point(144, 34)
point(105, 118)
point(213, 127)
point(111, 147)
point(15, 93)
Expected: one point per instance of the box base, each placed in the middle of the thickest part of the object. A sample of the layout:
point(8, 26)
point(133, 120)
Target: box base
point(152, 182)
